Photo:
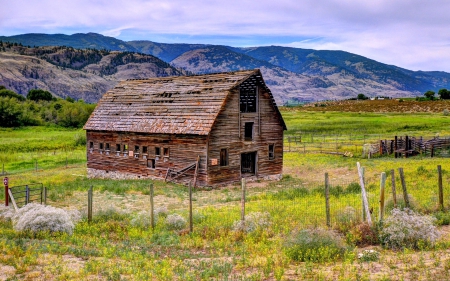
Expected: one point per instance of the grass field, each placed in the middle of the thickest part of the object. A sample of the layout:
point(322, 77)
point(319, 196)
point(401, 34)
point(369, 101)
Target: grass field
point(112, 247)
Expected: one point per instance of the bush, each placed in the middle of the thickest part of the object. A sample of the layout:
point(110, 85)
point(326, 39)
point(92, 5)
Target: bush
point(408, 229)
point(36, 218)
point(315, 245)
point(446, 112)
point(141, 219)
point(364, 235)
point(368, 255)
point(253, 221)
point(175, 222)
point(6, 213)
point(442, 218)
point(161, 211)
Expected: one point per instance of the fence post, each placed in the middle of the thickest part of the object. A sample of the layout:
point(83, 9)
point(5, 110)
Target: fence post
point(243, 201)
point(27, 194)
point(90, 204)
point(382, 186)
point(394, 192)
point(152, 207)
point(45, 195)
point(364, 195)
point(190, 209)
point(363, 170)
point(327, 200)
point(5, 183)
point(441, 190)
point(405, 192)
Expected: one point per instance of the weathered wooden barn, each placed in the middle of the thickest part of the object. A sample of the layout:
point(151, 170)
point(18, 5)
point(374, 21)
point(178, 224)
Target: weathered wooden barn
point(212, 128)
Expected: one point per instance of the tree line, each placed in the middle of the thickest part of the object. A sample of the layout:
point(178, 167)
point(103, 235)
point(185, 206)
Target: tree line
point(40, 107)
point(443, 94)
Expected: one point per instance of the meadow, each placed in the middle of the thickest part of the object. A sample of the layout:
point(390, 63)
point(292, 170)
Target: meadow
point(120, 245)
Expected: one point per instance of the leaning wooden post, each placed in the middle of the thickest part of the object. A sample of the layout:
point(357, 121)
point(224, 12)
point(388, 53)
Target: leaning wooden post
point(152, 207)
point(405, 192)
point(382, 186)
point(364, 194)
point(441, 189)
point(394, 192)
point(190, 209)
point(362, 199)
point(90, 204)
point(327, 200)
point(243, 201)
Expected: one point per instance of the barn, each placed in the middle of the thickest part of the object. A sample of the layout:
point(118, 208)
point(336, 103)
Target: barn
point(212, 129)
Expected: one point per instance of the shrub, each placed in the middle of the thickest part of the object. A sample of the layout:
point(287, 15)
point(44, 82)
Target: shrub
point(346, 219)
point(442, 218)
point(141, 219)
point(6, 213)
point(368, 255)
point(364, 235)
point(315, 245)
point(408, 229)
point(175, 222)
point(253, 221)
point(36, 218)
point(161, 211)
point(446, 112)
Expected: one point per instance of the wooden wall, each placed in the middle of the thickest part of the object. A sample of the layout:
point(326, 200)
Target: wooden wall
point(183, 151)
point(228, 132)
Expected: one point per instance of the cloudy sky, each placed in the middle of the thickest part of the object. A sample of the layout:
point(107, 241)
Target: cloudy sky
point(413, 34)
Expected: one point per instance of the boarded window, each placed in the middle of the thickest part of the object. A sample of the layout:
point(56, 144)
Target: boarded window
point(151, 163)
point(248, 100)
point(224, 157)
point(107, 146)
point(271, 151)
point(91, 145)
point(157, 151)
point(166, 151)
point(117, 147)
point(248, 134)
point(144, 149)
point(101, 146)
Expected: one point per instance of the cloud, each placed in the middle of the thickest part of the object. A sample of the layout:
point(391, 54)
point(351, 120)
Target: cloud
point(409, 33)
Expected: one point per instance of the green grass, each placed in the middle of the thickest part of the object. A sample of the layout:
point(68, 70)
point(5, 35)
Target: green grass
point(111, 248)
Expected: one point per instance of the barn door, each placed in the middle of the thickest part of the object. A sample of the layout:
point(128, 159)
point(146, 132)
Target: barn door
point(248, 163)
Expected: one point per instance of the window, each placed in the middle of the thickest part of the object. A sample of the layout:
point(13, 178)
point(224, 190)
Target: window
point(224, 157)
point(117, 147)
point(136, 149)
point(101, 146)
point(107, 146)
point(166, 151)
point(248, 134)
point(91, 145)
point(248, 100)
point(151, 163)
point(157, 151)
point(144, 150)
point(271, 151)
point(125, 147)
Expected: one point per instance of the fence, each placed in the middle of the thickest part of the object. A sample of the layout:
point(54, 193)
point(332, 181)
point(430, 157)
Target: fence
point(21, 195)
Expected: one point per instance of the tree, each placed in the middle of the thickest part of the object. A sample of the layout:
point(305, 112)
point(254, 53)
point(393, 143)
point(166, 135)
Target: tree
point(444, 94)
point(11, 94)
point(39, 94)
point(362, 97)
point(429, 95)
point(10, 112)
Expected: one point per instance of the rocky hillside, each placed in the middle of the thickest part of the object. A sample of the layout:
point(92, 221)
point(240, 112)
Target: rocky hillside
point(293, 74)
point(81, 74)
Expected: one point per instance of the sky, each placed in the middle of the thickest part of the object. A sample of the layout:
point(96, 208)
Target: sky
point(414, 34)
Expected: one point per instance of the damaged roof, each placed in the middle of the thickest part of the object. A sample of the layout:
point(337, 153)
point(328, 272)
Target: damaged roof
point(169, 105)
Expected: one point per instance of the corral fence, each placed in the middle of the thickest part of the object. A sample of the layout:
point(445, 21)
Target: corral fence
point(21, 195)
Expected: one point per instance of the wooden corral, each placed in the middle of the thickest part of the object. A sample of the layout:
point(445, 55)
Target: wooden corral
point(410, 146)
point(214, 128)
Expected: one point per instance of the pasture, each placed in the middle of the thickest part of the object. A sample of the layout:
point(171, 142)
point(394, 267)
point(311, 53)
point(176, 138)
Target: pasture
point(119, 244)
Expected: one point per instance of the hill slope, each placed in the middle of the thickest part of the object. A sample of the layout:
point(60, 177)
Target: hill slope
point(80, 74)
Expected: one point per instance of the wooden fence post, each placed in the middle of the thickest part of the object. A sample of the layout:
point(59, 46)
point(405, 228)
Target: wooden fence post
point(364, 194)
point(152, 207)
point(90, 204)
point(382, 186)
point(405, 192)
point(45, 195)
point(243, 201)
point(394, 192)
point(190, 209)
point(327, 200)
point(363, 170)
point(441, 189)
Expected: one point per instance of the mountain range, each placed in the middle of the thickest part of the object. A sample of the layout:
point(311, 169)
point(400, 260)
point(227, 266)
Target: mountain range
point(293, 74)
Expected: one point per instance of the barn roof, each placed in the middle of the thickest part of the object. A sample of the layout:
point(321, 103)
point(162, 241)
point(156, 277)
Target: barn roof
point(169, 105)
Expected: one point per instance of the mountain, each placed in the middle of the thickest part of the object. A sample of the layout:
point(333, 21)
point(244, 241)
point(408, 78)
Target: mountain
point(291, 73)
point(82, 74)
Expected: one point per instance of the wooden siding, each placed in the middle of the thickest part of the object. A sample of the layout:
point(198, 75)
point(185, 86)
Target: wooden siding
point(228, 132)
point(183, 151)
